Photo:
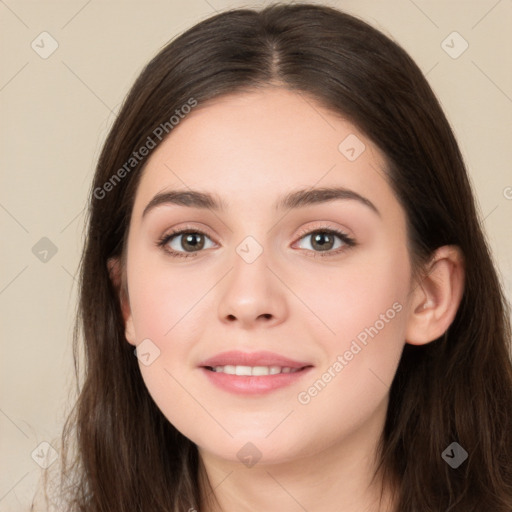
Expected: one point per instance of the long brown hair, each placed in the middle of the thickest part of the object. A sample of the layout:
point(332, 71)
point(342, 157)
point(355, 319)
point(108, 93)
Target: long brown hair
point(457, 388)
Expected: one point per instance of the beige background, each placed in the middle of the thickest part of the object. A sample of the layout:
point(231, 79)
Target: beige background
point(55, 114)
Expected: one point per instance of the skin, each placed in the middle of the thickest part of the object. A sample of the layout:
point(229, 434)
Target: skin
point(250, 149)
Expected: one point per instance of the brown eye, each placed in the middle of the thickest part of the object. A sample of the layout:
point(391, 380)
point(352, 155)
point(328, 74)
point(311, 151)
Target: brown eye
point(192, 241)
point(183, 242)
point(324, 240)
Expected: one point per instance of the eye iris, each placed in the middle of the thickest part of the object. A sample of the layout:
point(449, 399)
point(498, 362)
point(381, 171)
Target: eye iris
point(188, 240)
point(321, 240)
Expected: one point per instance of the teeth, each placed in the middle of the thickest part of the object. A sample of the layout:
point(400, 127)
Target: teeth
point(254, 370)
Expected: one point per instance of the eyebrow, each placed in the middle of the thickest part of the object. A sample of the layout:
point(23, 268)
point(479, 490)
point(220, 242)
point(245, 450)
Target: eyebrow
point(292, 200)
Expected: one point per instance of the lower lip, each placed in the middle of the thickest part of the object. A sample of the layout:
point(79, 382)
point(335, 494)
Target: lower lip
point(253, 385)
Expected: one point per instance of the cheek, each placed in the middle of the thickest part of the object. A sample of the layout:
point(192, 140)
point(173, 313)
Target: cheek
point(363, 356)
point(361, 313)
point(350, 390)
point(167, 309)
point(347, 299)
point(163, 300)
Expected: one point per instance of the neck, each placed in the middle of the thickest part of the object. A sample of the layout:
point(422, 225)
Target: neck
point(338, 479)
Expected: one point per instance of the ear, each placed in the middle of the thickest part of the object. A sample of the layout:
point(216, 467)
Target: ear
point(437, 297)
point(116, 276)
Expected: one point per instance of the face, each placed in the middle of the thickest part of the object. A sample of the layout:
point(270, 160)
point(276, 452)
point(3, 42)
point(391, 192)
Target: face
point(323, 281)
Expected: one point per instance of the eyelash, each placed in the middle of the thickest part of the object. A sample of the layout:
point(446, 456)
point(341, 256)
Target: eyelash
point(346, 239)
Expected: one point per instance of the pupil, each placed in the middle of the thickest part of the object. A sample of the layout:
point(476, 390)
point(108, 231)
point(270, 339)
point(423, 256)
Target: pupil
point(322, 240)
point(189, 240)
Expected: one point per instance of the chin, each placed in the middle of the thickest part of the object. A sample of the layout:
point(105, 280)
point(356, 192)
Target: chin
point(254, 450)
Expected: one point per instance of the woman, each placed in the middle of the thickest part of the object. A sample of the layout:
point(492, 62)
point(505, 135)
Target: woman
point(281, 229)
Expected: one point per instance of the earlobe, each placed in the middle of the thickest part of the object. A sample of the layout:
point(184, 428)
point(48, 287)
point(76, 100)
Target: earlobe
point(115, 273)
point(437, 297)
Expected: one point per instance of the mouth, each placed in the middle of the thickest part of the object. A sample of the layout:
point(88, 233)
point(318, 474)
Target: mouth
point(253, 380)
point(254, 371)
point(236, 362)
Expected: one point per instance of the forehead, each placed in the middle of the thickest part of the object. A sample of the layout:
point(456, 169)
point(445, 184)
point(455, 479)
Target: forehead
point(256, 146)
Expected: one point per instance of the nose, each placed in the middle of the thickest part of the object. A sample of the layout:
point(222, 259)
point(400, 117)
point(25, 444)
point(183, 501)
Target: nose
point(252, 295)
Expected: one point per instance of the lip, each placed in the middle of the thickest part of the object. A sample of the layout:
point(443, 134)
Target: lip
point(261, 358)
point(253, 385)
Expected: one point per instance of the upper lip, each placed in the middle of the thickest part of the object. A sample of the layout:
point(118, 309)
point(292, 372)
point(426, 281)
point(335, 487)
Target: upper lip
point(261, 358)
